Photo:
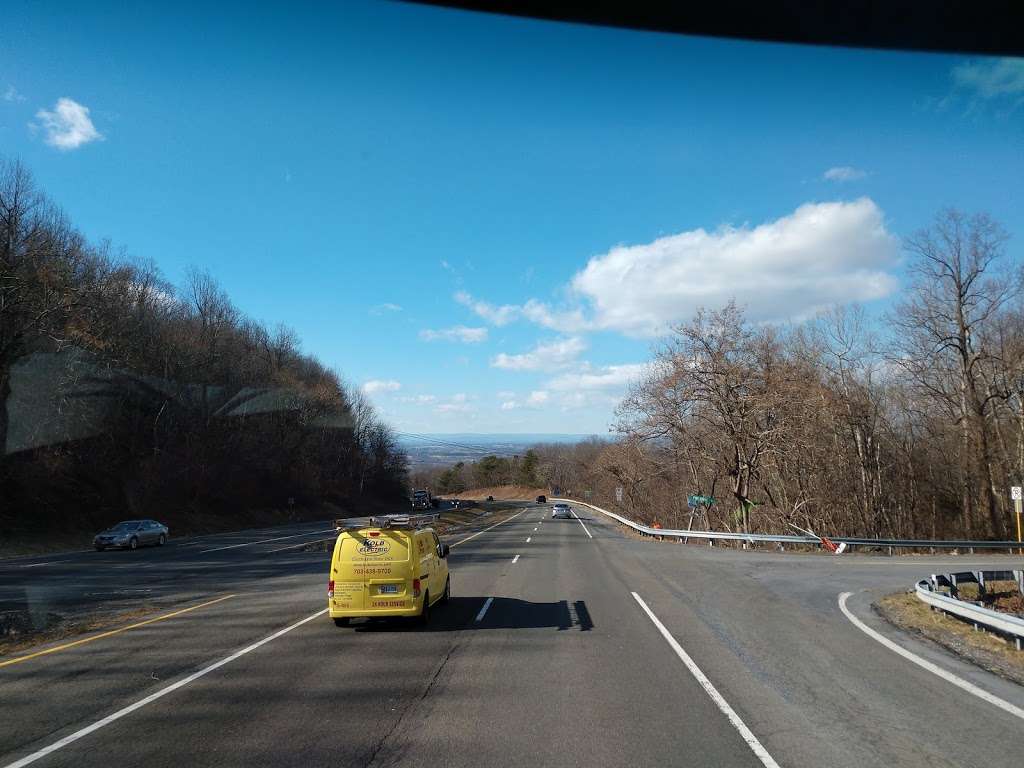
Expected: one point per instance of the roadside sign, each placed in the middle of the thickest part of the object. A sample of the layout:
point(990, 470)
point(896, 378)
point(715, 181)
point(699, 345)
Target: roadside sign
point(695, 501)
point(1015, 494)
point(618, 493)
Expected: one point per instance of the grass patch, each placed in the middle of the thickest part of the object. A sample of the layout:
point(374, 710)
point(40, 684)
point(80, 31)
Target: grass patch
point(18, 633)
point(986, 650)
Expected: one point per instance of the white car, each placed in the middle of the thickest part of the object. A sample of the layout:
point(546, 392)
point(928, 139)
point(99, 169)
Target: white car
point(561, 510)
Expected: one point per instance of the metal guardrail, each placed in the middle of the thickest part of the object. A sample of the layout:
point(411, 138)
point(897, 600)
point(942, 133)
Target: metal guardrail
point(1004, 623)
point(793, 539)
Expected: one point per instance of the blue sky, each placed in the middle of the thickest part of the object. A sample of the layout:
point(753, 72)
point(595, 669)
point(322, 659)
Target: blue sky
point(489, 221)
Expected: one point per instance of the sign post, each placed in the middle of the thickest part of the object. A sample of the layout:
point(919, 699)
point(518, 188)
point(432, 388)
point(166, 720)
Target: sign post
point(1015, 494)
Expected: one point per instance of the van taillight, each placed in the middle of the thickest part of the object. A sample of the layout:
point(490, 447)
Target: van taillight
point(415, 587)
point(330, 588)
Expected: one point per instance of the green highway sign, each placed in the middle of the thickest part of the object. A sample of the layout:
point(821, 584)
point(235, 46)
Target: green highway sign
point(696, 501)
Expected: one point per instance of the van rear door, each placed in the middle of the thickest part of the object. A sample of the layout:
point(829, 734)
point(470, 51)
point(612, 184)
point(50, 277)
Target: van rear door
point(347, 573)
point(386, 569)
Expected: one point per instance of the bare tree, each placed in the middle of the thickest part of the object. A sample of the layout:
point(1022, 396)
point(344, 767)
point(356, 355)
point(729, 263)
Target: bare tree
point(961, 283)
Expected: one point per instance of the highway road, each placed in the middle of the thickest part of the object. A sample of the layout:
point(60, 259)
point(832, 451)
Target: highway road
point(567, 643)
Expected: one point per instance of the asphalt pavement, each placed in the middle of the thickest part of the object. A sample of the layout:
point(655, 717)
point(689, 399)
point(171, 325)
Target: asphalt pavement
point(566, 643)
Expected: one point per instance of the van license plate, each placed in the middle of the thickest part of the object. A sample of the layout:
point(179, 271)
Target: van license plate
point(389, 589)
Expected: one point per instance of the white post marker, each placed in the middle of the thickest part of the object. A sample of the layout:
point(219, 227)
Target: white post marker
point(515, 559)
point(1015, 494)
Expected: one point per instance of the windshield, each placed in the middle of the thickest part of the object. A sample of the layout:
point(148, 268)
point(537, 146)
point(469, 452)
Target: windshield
point(283, 276)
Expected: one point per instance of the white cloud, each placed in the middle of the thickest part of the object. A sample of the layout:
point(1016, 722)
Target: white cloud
point(991, 78)
point(612, 377)
point(457, 333)
point(454, 408)
point(380, 309)
point(537, 397)
point(820, 255)
point(506, 394)
point(381, 385)
point(461, 397)
point(550, 356)
point(11, 94)
point(509, 405)
point(842, 173)
point(568, 321)
point(502, 315)
point(68, 126)
point(418, 399)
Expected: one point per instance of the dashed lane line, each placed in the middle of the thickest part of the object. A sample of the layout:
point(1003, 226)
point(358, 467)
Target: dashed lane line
point(487, 604)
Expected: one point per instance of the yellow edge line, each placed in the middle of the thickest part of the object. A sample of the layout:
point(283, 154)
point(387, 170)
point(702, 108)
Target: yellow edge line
point(485, 530)
point(100, 636)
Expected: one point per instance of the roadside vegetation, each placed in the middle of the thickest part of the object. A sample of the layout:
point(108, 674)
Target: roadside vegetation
point(985, 649)
point(125, 396)
point(909, 424)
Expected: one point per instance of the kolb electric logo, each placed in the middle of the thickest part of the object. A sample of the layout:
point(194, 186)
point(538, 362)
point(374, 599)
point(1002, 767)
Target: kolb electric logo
point(375, 547)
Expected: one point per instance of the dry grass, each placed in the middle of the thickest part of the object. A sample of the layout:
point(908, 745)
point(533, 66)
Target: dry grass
point(61, 628)
point(987, 650)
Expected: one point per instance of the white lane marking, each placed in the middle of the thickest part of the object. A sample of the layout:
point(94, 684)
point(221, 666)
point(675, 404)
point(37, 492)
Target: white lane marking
point(154, 696)
point(483, 610)
point(265, 541)
point(762, 754)
point(534, 530)
point(296, 546)
point(581, 523)
point(34, 565)
point(959, 682)
point(515, 559)
point(485, 530)
point(528, 539)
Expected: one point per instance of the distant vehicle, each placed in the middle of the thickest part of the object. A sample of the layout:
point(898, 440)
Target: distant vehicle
point(132, 534)
point(542, 499)
point(490, 498)
point(396, 566)
point(561, 510)
point(421, 499)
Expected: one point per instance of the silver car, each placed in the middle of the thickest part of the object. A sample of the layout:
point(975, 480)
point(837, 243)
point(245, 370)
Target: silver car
point(132, 534)
point(561, 510)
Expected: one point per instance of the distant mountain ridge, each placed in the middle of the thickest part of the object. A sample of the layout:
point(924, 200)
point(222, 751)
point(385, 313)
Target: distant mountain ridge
point(446, 448)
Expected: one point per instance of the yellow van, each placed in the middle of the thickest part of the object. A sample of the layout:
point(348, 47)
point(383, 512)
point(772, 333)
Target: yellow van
point(395, 566)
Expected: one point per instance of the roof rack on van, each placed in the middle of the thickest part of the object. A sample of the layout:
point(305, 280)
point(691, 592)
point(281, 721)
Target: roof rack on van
point(389, 521)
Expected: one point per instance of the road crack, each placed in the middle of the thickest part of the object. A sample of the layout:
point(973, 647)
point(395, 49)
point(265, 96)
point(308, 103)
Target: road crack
point(377, 749)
